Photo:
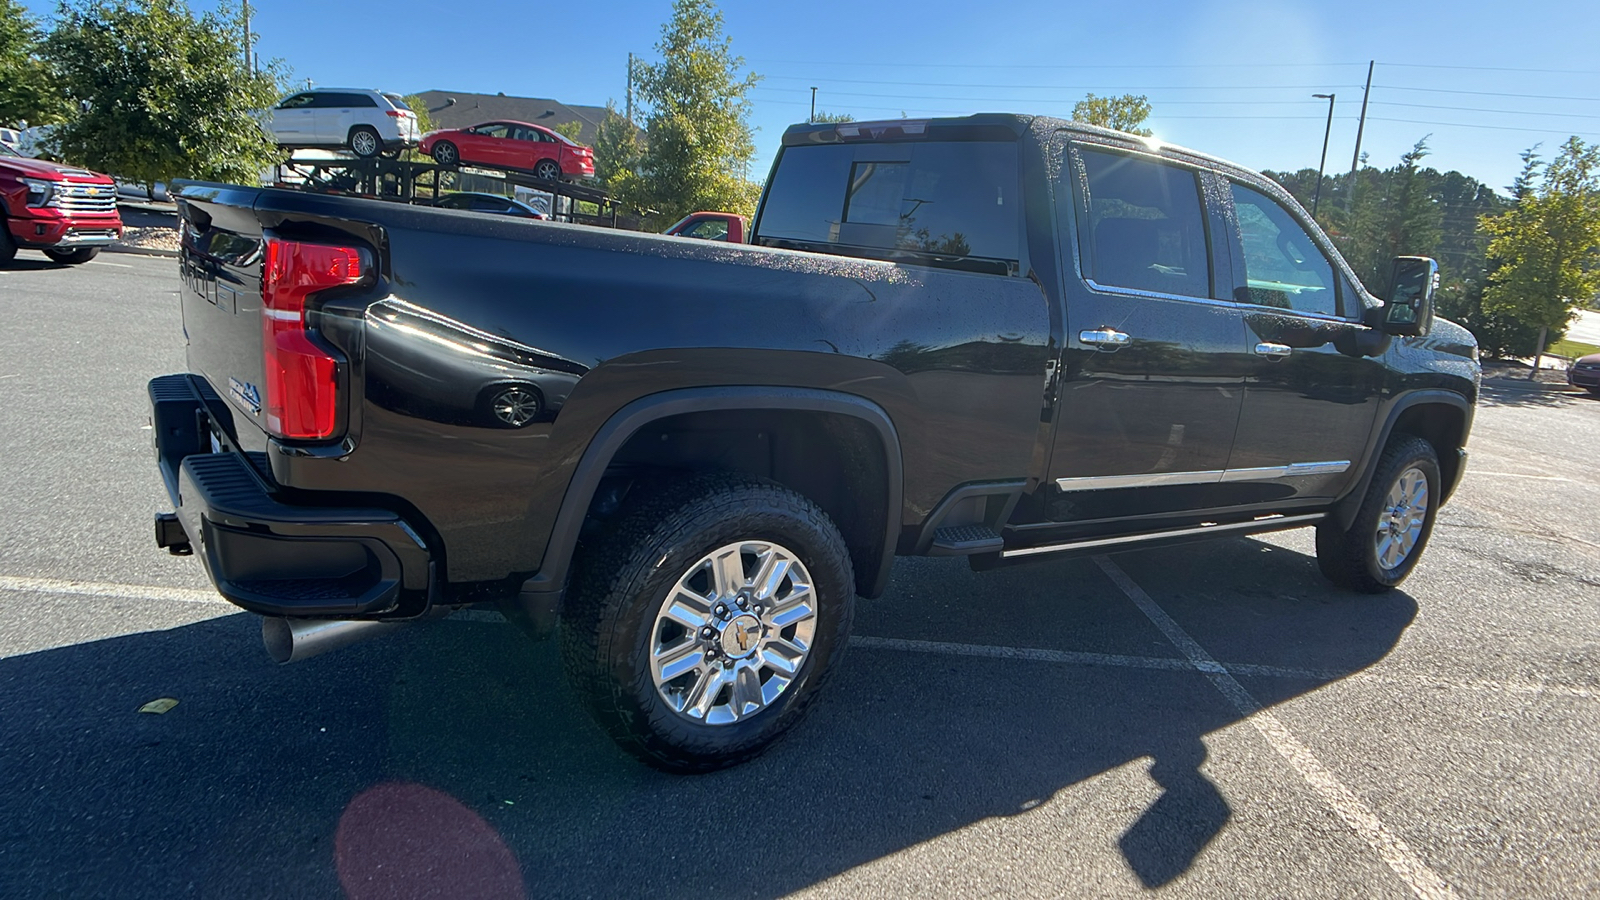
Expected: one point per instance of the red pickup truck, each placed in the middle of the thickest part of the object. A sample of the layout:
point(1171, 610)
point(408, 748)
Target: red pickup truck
point(711, 226)
point(69, 213)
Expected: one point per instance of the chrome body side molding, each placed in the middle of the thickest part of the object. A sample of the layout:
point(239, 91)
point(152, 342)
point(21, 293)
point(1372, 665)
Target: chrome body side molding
point(1210, 476)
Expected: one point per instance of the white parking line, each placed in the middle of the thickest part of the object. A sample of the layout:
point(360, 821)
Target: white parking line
point(1423, 881)
point(118, 265)
point(101, 589)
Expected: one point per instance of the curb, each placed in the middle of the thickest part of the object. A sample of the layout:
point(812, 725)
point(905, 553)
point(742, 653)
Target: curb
point(141, 251)
point(1507, 384)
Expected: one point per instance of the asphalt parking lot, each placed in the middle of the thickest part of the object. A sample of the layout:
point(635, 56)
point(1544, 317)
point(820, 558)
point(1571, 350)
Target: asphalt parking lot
point(1211, 720)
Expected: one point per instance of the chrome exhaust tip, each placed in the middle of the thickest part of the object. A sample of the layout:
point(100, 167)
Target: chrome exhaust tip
point(292, 640)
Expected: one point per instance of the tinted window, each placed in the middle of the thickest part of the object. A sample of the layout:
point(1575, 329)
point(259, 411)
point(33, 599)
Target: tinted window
point(494, 130)
point(1283, 266)
point(396, 101)
point(298, 101)
point(940, 203)
point(1143, 225)
point(708, 230)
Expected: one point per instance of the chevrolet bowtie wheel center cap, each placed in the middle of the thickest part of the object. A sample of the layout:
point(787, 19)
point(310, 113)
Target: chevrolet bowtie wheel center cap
point(741, 637)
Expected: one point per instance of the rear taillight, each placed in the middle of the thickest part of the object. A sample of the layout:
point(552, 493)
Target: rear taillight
point(401, 113)
point(302, 378)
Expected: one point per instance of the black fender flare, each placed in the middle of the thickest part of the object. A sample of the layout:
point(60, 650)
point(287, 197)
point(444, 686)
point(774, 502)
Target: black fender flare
point(1344, 511)
point(541, 595)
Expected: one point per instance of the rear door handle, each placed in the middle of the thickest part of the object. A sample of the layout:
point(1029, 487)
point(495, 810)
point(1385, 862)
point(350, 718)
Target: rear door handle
point(1275, 351)
point(1104, 338)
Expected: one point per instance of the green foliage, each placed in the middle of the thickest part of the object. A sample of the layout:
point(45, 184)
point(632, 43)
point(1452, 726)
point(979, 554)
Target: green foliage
point(1499, 335)
point(1408, 210)
point(1545, 251)
point(827, 118)
point(698, 140)
point(568, 130)
point(617, 151)
point(425, 122)
point(163, 93)
point(1126, 112)
point(27, 92)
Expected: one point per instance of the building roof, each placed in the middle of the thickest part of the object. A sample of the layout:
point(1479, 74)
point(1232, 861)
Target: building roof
point(457, 109)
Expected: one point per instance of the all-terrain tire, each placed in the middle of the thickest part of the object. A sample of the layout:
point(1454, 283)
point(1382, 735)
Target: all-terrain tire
point(1350, 557)
point(623, 577)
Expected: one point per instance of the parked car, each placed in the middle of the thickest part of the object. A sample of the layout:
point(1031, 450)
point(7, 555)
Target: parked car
point(712, 226)
point(489, 203)
point(1008, 338)
point(365, 122)
point(67, 212)
point(1585, 373)
point(512, 145)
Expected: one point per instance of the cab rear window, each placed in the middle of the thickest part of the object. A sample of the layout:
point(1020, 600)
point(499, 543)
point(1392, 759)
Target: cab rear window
point(941, 203)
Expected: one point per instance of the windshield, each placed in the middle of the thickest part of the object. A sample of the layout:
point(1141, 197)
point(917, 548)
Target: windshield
point(397, 101)
point(7, 151)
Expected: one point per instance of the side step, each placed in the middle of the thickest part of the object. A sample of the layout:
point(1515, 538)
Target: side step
point(965, 540)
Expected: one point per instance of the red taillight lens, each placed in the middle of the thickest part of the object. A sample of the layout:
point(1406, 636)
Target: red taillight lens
point(302, 378)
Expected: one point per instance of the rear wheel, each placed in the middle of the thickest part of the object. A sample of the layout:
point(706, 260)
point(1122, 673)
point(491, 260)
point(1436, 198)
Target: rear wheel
point(1390, 530)
point(547, 169)
point(445, 153)
point(365, 141)
point(703, 624)
point(73, 257)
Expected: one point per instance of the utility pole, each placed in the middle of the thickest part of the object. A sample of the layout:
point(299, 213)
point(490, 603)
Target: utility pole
point(1361, 126)
point(813, 118)
point(247, 66)
point(1317, 195)
point(630, 88)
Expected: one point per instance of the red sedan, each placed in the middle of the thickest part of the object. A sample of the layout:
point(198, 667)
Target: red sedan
point(512, 145)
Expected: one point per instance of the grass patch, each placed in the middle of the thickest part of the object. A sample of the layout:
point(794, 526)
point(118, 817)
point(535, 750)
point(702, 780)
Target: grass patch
point(1572, 349)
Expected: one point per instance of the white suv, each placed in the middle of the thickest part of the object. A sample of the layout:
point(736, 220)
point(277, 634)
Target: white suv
point(364, 122)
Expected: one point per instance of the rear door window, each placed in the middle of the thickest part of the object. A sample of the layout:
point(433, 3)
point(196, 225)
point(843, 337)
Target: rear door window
point(1142, 225)
point(946, 203)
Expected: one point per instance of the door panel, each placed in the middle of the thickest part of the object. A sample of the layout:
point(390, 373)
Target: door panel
point(1153, 374)
point(1311, 397)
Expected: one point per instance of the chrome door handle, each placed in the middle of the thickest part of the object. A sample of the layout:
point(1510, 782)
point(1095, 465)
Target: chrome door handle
point(1276, 351)
point(1104, 338)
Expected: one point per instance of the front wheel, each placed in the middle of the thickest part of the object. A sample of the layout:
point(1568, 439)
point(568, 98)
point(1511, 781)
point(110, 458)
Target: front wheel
point(1390, 530)
point(704, 623)
point(8, 246)
point(73, 257)
point(445, 153)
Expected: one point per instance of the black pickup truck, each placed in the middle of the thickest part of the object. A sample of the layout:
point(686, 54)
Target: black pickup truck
point(1000, 337)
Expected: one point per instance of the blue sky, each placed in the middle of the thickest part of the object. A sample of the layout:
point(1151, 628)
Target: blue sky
point(1229, 77)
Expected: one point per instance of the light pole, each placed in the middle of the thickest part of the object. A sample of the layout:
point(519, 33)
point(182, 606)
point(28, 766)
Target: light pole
point(1317, 195)
point(813, 107)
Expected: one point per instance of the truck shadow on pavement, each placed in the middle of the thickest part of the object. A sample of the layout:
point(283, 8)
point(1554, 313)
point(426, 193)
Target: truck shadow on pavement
point(451, 760)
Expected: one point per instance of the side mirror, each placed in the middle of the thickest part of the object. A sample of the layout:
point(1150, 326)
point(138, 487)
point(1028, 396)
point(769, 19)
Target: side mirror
point(1408, 307)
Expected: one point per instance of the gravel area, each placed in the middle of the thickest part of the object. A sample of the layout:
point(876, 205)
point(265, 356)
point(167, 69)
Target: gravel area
point(152, 238)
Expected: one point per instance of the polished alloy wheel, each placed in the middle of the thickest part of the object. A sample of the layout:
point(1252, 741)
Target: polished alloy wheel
point(547, 170)
point(444, 153)
point(516, 406)
point(1404, 513)
point(733, 632)
point(364, 143)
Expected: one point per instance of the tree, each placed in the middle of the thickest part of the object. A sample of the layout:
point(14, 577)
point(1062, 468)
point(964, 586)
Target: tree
point(26, 89)
point(698, 140)
point(160, 92)
point(826, 118)
point(617, 151)
point(568, 130)
point(1544, 252)
point(1127, 112)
